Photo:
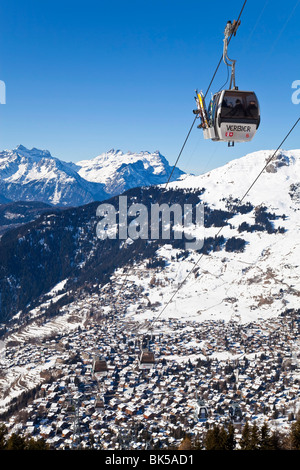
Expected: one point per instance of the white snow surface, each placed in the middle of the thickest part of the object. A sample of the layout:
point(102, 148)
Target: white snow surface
point(103, 167)
point(22, 165)
point(235, 178)
point(118, 171)
point(258, 283)
point(37, 175)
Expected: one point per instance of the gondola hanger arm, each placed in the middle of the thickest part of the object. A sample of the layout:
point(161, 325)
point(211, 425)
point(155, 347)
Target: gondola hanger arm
point(230, 30)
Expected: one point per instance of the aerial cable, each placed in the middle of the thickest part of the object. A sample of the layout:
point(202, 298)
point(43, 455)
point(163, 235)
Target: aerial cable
point(233, 32)
point(221, 58)
point(223, 86)
point(285, 24)
point(256, 24)
point(220, 230)
point(270, 159)
point(213, 77)
point(179, 155)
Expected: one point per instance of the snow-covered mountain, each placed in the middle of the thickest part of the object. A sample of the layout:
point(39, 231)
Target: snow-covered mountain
point(278, 186)
point(35, 175)
point(261, 280)
point(120, 171)
point(249, 269)
point(237, 299)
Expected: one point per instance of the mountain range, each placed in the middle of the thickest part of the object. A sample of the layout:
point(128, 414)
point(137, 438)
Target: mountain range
point(249, 261)
point(35, 175)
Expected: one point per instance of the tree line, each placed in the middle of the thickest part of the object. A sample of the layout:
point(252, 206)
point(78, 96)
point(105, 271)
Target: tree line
point(17, 442)
point(252, 437)
point(221, 438)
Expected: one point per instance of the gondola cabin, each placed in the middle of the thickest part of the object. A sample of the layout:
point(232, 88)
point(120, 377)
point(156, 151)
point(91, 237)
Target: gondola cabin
point(232, 116)
point(146, 360)
point(235, 413)
point(99, 403)
point(201, 412)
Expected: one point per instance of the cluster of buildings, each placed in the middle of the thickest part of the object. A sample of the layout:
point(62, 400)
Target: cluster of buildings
point(89, 389)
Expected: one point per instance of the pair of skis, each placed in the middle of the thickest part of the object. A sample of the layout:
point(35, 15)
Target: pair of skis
point(201, 110)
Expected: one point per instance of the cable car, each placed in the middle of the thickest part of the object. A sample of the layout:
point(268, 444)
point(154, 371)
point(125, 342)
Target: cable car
point(201, 412)
point(99, 403)
point(146, 360)
point(233, 115)
point(235, 413)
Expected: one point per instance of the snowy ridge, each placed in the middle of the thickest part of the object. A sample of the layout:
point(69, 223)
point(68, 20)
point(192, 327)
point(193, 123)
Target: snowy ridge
point(258, 283)
point(234, 179)
point(23, 166)
point(35, 175)
point(120, 171)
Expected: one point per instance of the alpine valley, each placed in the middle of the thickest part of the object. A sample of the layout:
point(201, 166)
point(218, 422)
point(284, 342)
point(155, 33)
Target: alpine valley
point(222, 321)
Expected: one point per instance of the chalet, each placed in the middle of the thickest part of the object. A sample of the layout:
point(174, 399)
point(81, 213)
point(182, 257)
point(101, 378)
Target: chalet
point(46, 431)
point(149, 414)
point(121, 406)
point(67, 433)
point(131, 409)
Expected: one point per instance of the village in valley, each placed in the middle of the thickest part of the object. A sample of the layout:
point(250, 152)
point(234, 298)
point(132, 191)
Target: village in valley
point(76, 379)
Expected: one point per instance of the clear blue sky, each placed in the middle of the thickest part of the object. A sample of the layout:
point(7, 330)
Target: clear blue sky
point(85, 77)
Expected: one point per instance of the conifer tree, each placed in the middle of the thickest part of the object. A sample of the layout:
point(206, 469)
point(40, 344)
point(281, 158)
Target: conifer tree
point(223, 439)
point(276, 441)
point(265, 442)
point(230, 440)
point(15, 442)
point(295, 435)
point(219, 439)
point(36, 444)
point(254, 440)
point(212, 439)
point(245, 440)
point(18, 442)
point(3, 432)
point(186, 444)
